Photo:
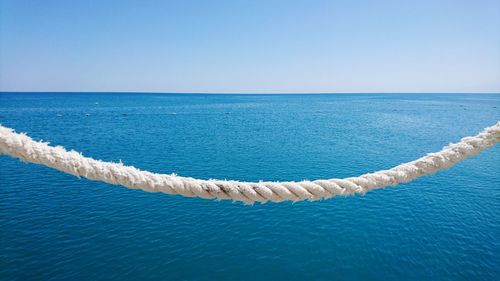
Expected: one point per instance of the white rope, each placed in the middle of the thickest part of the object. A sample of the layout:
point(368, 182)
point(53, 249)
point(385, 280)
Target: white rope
point(23, 147)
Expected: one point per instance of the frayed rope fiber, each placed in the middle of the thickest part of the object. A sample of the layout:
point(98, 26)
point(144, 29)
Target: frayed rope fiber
point(23, 147)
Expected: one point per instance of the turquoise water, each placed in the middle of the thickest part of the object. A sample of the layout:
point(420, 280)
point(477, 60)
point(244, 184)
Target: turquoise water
point(58, 227)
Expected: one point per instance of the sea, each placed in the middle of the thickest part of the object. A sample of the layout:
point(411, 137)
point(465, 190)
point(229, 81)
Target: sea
point(55, 226)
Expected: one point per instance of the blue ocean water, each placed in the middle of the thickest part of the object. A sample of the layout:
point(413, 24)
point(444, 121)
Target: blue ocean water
point(57, 227)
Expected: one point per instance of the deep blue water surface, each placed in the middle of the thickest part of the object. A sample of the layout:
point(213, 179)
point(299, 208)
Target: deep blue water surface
point(54, 226)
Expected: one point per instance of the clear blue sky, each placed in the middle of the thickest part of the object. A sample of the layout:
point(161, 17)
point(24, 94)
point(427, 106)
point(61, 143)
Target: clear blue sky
point(250, 46)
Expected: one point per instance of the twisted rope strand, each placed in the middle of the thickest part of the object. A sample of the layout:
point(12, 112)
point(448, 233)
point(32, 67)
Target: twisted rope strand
point(21, 146)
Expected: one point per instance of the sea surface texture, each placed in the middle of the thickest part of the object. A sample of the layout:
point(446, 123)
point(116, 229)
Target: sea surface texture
point(54, 226)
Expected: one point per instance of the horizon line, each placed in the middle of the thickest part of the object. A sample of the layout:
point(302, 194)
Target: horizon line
point(243, 93)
